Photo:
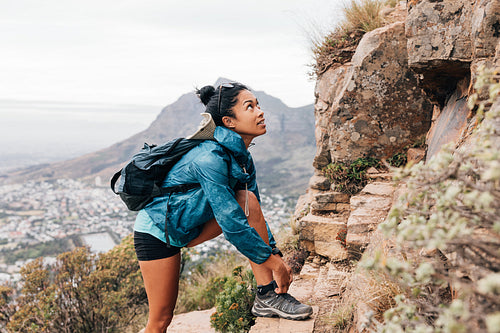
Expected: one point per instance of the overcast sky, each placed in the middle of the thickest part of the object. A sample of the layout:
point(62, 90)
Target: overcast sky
point(149, 52)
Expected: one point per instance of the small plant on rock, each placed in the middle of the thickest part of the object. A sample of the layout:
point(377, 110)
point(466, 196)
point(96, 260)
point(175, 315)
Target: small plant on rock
point(338, 47)
point(350, 177)
point(234, 303)
point(398, 160)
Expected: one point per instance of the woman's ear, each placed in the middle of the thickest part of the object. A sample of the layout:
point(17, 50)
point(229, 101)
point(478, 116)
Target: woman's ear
point(228, 122)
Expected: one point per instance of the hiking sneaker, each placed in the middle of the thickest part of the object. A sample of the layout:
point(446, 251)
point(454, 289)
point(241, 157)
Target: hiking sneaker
point(282, 305)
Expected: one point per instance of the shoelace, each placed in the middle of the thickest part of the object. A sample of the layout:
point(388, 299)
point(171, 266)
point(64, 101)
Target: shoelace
point(288, 297)
point(247, 210)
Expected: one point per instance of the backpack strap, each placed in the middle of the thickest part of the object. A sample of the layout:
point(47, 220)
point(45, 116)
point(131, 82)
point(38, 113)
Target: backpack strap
point(114, 179)
point(178, 188)
point(229, 154)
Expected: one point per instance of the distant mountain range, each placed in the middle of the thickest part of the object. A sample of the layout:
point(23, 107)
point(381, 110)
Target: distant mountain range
point(283, 156)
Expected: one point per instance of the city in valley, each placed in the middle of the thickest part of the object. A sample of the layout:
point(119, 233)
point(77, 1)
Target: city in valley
point(65, 213)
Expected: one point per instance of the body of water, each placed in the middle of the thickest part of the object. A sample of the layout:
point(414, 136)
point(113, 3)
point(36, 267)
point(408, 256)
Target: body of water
point(99, 242)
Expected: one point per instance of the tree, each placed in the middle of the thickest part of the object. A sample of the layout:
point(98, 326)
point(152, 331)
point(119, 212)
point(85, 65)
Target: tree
point(81, 292)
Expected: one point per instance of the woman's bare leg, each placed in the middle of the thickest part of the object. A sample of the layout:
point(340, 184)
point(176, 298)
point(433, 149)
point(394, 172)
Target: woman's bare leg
point(210, 230)
point(161, 280)
point(256, 220)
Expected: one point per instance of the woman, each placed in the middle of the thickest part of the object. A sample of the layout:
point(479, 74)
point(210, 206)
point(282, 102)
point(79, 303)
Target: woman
point(227, 201)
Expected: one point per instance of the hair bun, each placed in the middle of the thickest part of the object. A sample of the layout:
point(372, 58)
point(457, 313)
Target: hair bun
point(206, 94)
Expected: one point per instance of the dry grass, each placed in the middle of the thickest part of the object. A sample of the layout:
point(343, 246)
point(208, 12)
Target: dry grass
point(392, 3)
point(337, 47)
point(366, 290)
point(294, 254)
point(362, 15)
point(334, 50)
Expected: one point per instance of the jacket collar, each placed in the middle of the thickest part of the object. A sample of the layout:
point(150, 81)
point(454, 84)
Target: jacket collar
point(233, 142)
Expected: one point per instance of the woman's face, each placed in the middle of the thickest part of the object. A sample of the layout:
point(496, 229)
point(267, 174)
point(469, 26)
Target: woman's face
point(248, 120)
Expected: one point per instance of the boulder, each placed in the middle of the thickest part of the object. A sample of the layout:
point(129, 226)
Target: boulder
point(485, 28)
point(446, 36)
point(371, 106)
point(328, 90)
point(439, 31)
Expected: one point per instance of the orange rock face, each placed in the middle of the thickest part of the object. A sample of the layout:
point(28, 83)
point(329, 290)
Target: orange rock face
point(371, 106)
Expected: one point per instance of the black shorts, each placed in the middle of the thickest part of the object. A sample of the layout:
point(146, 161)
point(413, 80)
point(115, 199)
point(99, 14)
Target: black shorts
point(148, 247)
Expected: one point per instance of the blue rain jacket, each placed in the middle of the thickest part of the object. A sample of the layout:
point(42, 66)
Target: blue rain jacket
point(220, 174)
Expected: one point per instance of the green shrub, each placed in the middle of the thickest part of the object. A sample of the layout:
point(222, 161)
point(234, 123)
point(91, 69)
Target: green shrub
point(206, 279)
point(350, 177)
point(234, 303)
point(398, 160)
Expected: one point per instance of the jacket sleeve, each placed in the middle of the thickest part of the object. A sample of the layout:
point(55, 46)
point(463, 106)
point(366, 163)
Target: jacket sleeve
point(252, 186)
point(211, 170)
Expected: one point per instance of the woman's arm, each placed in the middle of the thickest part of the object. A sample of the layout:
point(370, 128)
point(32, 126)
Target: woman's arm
point(211, 171)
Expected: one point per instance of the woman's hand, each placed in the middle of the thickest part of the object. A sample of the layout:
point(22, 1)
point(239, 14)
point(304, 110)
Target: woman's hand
point(283, 280)
point(282, 274)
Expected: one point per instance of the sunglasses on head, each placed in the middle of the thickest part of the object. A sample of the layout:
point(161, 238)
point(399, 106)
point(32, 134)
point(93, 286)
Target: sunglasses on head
point(223, 85)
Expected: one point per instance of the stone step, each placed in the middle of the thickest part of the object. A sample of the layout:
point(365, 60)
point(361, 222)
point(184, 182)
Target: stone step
point(362, 226)
point(380, 176)
point(379, 188)
point(368, 209)
point(323, 233)
point(279, 325)
point(328, 289)
point(331, 197)
point(312, 226)
point(358, 239)
point(191, 322)
point(370, 201)
point(329, 282)
point(329, 201)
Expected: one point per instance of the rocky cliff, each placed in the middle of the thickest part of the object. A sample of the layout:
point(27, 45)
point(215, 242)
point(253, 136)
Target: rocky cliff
point(405, 80)
point(408, 80)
